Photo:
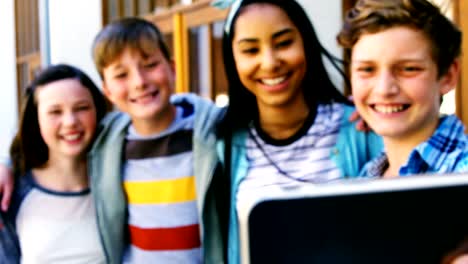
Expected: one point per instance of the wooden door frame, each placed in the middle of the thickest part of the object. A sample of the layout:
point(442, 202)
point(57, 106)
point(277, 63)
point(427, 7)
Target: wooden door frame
point(461, 93)
point(178, 20)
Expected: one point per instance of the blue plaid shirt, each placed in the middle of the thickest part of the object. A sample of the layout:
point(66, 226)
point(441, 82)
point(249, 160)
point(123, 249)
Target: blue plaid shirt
point(446, 151)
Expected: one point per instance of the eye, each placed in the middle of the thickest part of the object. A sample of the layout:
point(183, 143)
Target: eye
point(284, 43)
point(365, 69)
point(54, 112)
point(81, 108)
point(151, 64)
point(250, 51)
point(409, 70)
point(120, 75)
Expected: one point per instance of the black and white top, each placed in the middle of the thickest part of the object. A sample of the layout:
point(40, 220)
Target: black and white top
point(303, 158)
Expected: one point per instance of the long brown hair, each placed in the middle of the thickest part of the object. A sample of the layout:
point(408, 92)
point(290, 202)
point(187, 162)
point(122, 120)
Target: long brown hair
point(28, 149)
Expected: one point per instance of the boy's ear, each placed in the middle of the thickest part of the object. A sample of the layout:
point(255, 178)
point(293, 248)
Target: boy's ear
point(450, 79)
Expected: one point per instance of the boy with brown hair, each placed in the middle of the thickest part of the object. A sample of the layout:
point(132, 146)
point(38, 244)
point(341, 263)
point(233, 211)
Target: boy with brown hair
point(403, 58)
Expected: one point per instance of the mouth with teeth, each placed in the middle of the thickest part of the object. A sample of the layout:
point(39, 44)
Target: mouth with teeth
point(145, 98)
point(273, 81)
point(275, 84)
point(389, 109)
point(73, 137)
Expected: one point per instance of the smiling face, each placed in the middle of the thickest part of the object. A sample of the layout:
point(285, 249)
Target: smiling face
point(140, 86)
point(395, 84)
point(269, 55)
point(67, 117)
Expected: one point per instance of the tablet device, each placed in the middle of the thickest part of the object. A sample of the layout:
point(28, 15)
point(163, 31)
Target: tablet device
point(416, 219)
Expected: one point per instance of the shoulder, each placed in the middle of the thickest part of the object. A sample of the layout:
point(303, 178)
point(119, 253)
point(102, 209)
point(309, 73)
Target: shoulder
point(23, 187)
point(111, 127)
point(347, 111)
point(114, 119)
point(206, 114)
point(202, 107)
point(375, 167)
point(449, 145)
point(461, 164)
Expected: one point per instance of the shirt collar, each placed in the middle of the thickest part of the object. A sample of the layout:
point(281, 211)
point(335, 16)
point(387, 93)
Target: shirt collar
point(376, 167)
point(432, 155)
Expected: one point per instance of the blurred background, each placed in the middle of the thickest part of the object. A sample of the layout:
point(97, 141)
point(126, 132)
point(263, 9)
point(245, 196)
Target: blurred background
point(36, 33)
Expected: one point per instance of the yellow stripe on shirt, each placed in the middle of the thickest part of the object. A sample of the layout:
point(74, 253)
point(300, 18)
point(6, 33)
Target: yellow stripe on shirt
point(162, 191)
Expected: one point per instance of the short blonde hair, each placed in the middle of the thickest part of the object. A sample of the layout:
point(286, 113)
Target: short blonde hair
point(134, 33)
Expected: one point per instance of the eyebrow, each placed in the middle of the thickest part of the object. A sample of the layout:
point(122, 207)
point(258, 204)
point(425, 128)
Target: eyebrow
point(398, 61)
point(116, 67)
point(275, 35)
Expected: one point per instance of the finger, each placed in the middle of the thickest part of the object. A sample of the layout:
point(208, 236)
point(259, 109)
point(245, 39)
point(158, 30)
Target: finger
point(6, 197)
point(354, 116)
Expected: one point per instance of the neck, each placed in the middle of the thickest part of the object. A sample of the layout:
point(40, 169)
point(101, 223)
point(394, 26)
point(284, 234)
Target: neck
point(67, 175)
point(397, 156)
point(155, 125)
point(284, 122)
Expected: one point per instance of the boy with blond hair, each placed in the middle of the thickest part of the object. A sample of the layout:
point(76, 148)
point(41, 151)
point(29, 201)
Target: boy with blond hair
point(150, 164)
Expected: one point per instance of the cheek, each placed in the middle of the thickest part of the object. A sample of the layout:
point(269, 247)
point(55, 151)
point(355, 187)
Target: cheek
point(295, 57)
point(360, 89)
point(115, 93)
point(421, 90)
point(244, 66)
point(164, 76)
point(89, 120)
point(46, 128)
point(245, 70)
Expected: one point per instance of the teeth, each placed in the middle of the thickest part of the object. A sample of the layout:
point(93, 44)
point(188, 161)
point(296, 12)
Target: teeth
point(144, 98)
point(388, 109)
point(273, 81)
point(71, 137)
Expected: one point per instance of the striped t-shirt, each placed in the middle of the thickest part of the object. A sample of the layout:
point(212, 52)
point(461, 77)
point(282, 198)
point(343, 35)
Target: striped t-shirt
point(160, 188)
point(305, 157)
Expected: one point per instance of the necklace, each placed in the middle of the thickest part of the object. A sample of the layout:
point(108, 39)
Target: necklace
point(272, 162)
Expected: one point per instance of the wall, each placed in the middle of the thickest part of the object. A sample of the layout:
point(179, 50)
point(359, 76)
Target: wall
point(8, 95)
point(326, 18)
point(72, 27)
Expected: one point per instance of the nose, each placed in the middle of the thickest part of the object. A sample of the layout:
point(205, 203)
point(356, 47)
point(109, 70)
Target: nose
point(70, 118)
point(139, 79)
point(386, 83)
point(270, 60)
